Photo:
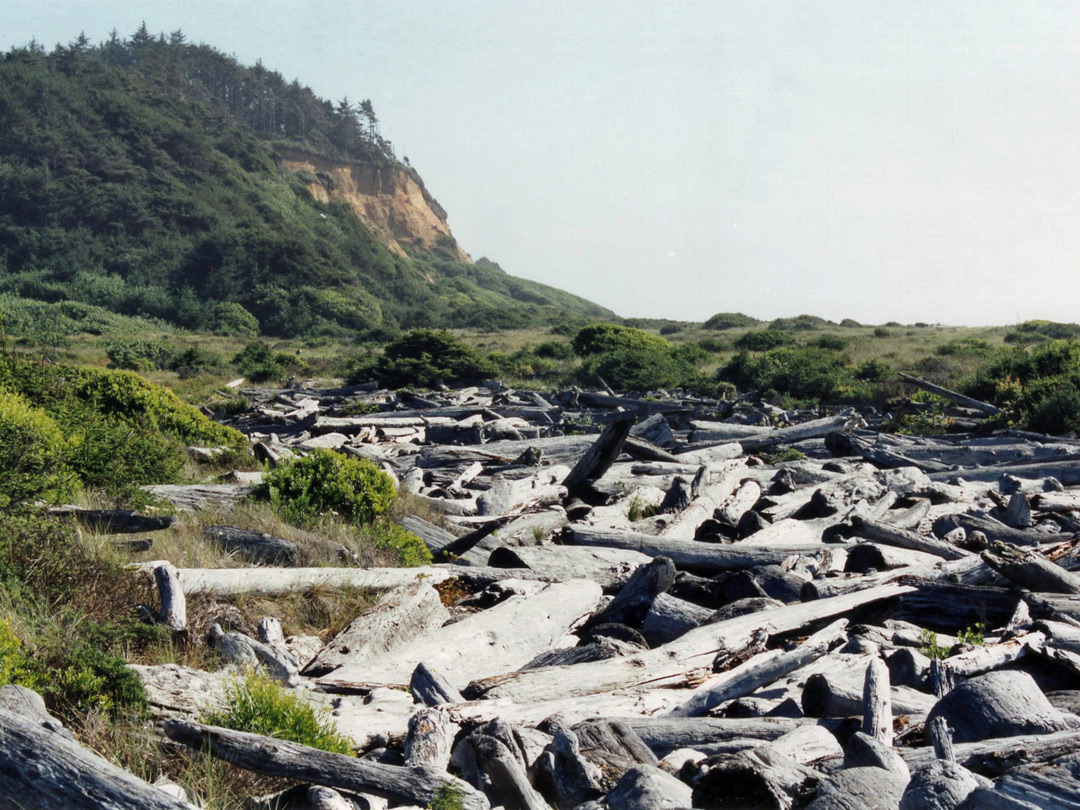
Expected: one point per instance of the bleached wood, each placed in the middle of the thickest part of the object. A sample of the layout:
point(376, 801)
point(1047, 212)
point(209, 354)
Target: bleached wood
point(399, 616)
point(645, 787)
point(608, 567)
point(993, 756)
point(892, 535)
point(717, 488)
point(173, 613)
point(671, 663)
point(430, 738)
point(483, 644)
point(877, 703)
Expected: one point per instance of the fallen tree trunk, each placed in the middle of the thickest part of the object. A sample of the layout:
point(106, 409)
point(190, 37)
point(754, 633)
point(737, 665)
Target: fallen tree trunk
point(113, 521)
point(43, 769)
point(272, 757)
point(952, 396)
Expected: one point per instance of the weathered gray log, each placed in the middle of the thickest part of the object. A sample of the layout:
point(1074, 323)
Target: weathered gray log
point(173, 613)
point(645, 787)
point(1067, 472)
point(671, 663)
point(700, 557)
point(807, 430)
point(399, 616)
point(44, 769)
point(1000, 704)
point(508, 779)
point(431, 688)
point(430, 738)
point(993, 757)
point(418, 786)
point(747, 678)
point(664, 734)
point(607, 567)
point(113, 521)
point(601, 455)
point(459, 546)
point(993, 656)
point(860, 789)
point(1052, 786)
point(254, 546)
point(846, 443)
point(940, 786)
point(835, 695)
point(634, 599)
point(952, 396)
point(993, 529)
point(908, 667)
point(201, 496)
point(877, 702)
point(891, 535)
point(1030, 570)
point(862, 751)
point(1068, 501)
point(669, 617)
point(711, 489)
point(866, 557)
point(599, 649)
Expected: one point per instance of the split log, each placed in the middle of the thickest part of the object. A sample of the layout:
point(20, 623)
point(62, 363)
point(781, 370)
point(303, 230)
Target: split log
point(113, 521)
point(172, 689)
point(483, 644)
point(417, 786)
point(866, 557)
point(708, 496)
point(254, 546)
point(44, 769)
point(848, 444)
point(1031, 571)
point(993, 529)
point(669, 664)
point(1052, 786)
point(1060, 502)
point(508, 779)
point(460, 546)
point(431, 688)
point(664, 734)
point(952, 396)
point(601, 455)
point(398, 617)
point(747, 678)
point(1000, 704)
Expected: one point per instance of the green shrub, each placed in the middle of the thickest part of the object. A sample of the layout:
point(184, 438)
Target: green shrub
point(730, 320)
point(136, 354)
point(1040, 386)
point(804, 373)
point(641, 369)
point(800, 323)
point(258, 705)
point(33, 454)
point(85, 678)
point(411, 551)
point(833, 343)
point(324, 482)
point(448, 797)
point(261, 363)
point(714, 345)
point(850, 323)
point(604, 338)
point(554, 350)
point(232, 320)
point(881, 332)
point(422, 356)
point(873, 371)
point(763, 341)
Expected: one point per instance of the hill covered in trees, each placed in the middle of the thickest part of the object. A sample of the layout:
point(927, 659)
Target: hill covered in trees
point(159, 178)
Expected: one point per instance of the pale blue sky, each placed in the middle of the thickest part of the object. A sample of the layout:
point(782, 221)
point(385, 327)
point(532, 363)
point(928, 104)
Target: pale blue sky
point(909, 161)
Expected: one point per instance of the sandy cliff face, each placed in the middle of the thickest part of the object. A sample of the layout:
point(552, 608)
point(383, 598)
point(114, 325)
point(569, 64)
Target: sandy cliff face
point(388, 199)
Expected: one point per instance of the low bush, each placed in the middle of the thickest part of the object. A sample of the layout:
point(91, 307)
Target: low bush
point(730, 320)
point(33, 454)
point(256, 704)
point(232, 320)
point(763, 340)
point(1039, 387)
point(800, 323)
point(603, 338)
point(260, 362)
point(323, 482)
point(801, 373)
point(421, 357)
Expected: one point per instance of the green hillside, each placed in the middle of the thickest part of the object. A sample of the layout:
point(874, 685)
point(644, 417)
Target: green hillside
point(140, 176)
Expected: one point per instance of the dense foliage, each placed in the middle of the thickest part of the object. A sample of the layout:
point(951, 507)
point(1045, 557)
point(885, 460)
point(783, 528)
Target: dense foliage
point(730, 320)
point(142, 176)
point(423, 357)
point(800, 373)
point(1039, 386)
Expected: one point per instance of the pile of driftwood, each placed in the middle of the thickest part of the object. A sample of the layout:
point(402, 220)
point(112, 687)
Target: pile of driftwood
point(641, 604)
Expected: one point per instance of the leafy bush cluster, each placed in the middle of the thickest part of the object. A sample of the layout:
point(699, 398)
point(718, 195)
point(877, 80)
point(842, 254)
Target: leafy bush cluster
point(800, 373)
point(305, 490)
point(730, 320)
point(256, 704)
point(1030, 332)
point(63, 425)
point(137, 354)
point(631, 359)
point(1040, 386)
point(764, 340)
point(259, 362)
point(423, 357)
